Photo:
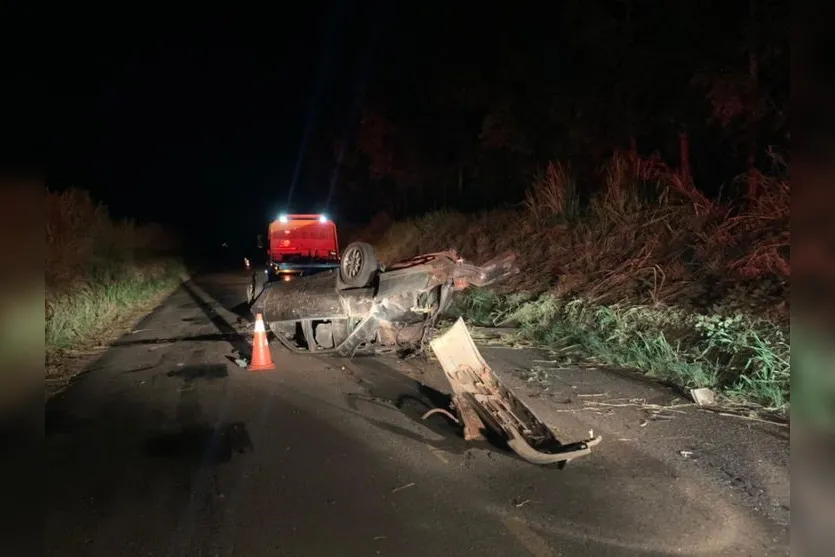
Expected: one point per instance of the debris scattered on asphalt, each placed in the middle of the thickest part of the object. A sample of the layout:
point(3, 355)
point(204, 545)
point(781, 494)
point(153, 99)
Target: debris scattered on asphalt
point(639, 403)
point(378, 538)
point(703, 396)
point(521, 504)
point(656, 415)
point(240, 362)
point(402, 487)
point(686, 454)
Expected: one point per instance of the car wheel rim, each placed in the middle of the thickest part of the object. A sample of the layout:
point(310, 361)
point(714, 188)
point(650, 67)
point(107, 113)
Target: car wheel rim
point(353, 263)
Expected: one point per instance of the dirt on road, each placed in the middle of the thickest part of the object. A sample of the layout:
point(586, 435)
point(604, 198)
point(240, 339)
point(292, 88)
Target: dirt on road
point(167, 447)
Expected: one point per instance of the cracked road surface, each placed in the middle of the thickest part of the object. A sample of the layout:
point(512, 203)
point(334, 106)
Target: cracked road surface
point(165, 447)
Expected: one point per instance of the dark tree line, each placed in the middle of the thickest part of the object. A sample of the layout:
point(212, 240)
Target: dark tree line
point(461, 108)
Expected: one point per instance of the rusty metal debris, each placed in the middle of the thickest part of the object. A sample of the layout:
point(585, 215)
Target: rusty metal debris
point(483, 401)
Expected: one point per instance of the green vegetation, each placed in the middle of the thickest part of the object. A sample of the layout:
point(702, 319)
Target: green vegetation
point(99, 271)
point(647, 273)
point(745, 358)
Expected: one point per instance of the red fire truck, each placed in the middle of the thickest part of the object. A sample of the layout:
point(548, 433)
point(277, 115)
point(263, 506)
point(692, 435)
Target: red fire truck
point(301, 245)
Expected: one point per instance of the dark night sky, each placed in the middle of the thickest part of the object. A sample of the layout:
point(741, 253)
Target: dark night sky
point(201, 120)
point(198, 119)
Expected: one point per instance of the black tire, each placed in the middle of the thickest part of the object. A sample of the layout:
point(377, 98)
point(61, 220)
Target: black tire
point(358, 265)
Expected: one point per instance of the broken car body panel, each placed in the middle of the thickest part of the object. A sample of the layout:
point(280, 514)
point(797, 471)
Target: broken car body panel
point(482, 400)
point(320, 314)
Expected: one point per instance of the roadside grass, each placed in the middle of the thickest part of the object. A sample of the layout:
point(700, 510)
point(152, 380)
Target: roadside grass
point(743, 358)
point(98, 270)
point(85, 311)
point(647, 273)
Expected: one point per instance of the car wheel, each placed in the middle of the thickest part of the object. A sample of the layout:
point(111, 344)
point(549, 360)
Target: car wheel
point(358, 265)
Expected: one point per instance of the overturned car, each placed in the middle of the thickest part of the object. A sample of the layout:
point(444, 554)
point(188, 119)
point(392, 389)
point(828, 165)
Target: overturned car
point(362, 307)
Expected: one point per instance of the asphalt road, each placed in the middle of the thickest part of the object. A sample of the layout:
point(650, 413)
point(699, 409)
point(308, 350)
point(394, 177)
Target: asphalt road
point(165, 447)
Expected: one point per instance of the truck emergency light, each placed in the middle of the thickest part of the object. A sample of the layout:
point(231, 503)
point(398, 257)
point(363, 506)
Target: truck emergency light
point(284, 219)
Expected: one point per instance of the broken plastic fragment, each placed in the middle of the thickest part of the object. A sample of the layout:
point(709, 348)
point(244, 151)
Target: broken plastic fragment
point(703, 396)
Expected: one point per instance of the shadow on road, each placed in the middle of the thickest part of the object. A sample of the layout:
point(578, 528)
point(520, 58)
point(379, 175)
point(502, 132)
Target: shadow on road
point(390, 388)
point(207, 372)
point(234, 338)
point(198, 442)
point(213, 337)
point(230, 290)
point(202, 444)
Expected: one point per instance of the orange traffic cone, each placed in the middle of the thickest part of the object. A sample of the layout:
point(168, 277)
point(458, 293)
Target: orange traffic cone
point(261, 359)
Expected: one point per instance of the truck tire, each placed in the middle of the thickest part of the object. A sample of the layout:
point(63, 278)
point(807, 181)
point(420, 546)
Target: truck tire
point(358, 265)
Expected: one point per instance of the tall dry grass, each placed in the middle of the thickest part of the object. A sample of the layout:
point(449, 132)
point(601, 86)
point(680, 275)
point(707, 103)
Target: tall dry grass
point(646, 236)
point(98, 269)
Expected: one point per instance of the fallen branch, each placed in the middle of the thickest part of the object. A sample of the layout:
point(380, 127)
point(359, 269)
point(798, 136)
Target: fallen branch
point(743, 417)
point(644, 406)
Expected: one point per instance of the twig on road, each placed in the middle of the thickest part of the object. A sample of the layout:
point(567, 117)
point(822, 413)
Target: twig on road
point(642, 405)
point(657, 409)
point(402, 487)
point(743, 417)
